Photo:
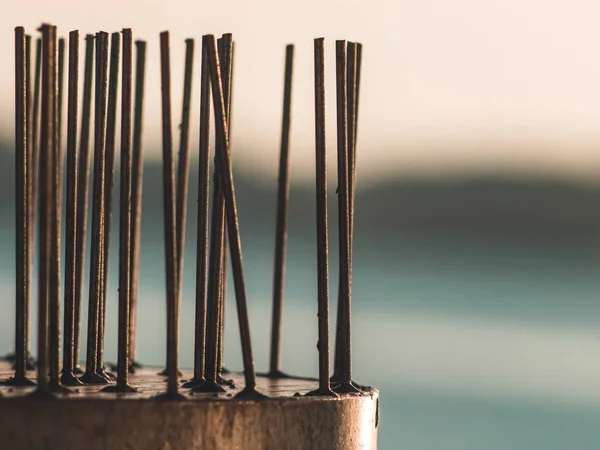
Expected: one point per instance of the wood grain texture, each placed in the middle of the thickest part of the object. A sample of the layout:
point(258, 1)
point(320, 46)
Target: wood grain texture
point(287, 419)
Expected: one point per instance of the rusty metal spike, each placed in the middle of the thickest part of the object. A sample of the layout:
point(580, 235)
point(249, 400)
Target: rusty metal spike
point(93, 373)
point(47, 134)
point(216, 278)
point(170, 227)
point(225, 170)
point(322, 227)
point(83, 176)
point(202, 232)
point(122, 385)
point(111, 123)
point(226, 48)
point(69, 361)
point(22, 204)
point(283, 197)
point(136, 194)
point(345, 264)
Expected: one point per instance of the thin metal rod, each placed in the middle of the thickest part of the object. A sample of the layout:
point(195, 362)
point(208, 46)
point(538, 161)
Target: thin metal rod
point(345, 265)
point(354, 65)
point(322, 227)
point(169, 214)
point(69, 362)
point(226, 53)
point(183, 165)
point(125, 215)
point(355, 118)
point(183, 160)
point(46, 144)
point(214, 284)
point(57, 230)
point(351, 76)
point(56, 191)
point(83, 177)
point(92, 371)
point(283, 196)
point(111, 121)
point(125, 220)
point(350, 106)
point(22, 201)
point(29, 365)
point(56, 222)
point(232, 216)
point(352, 83)
point(34, 158)
point(216, 278)
point(61, 79)
point(136, 190)
point(202, 232)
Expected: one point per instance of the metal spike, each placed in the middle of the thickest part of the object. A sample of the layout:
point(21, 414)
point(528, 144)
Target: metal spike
point(111, 121)
point(345, 263)
point(61, 79)
point(353, 85)
point(31, 146)
point(93, 373)
point(283, 197)
point(224, 164)
point(125, 222)
point(183, 160)
point(351, 76)
point(32, 112)
point(322, 227)
point(55, 227)
point(355, 118)
point(183, 164)
point(23, 147)
point(34, 167)
point(202, 232)
point(69, 362)
point(46, 146)
point(350, 106)
point(170, 227)
point(83, 177)
point(216, 277)
point(226, 48)
point(136, 194)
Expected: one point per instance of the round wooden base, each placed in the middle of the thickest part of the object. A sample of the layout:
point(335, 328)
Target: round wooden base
point(286, 419)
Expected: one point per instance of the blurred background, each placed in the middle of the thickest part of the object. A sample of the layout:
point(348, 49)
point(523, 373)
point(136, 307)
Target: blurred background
point(477, 238)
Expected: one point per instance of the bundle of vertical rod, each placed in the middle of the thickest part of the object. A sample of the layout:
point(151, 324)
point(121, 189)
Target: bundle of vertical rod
point(39, 187)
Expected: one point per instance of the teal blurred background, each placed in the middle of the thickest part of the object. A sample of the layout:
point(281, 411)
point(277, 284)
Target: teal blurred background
point(476, 290)
point(475, 301)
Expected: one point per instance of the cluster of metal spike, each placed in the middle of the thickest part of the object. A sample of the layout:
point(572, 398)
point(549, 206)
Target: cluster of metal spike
point(39, 167)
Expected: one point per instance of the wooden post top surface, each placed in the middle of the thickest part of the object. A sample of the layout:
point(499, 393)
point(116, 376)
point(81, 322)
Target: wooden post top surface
point(286, 419)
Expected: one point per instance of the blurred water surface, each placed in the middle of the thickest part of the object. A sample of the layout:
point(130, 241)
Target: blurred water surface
point(477, 340)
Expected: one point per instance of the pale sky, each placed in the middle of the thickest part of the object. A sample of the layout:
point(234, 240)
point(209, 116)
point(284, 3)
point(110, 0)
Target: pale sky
point(448, 86)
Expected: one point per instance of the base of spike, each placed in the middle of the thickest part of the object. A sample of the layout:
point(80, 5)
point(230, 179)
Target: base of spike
point(281, 416)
